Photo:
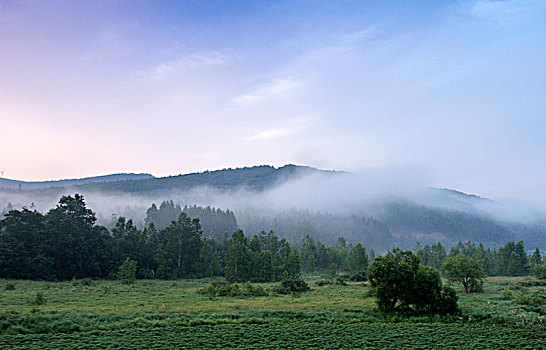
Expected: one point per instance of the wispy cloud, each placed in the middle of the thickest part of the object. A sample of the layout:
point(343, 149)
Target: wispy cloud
point(272, 134)
point(193, 61)
point(505, 11)
point(292, 126)
point(276, 88)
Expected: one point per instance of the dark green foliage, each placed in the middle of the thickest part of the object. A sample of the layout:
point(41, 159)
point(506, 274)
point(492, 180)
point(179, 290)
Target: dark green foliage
point(224, 288)
point(291, 286)
point(238, 257)
point(220, 288)
point(358, 263)
point(182, 246)
point(513, 260)
point(263, 259)
point(506, 294)
point(308, 254)
point(536, 258)
point(464, 270)
point(292, 265)
point(214, 222)
point(539, 271)
point(10, 286)
point(127, 271)
point(535, 299)
point(39, 299)
point(62, 244)
point(400, 283)
point(66, 244)
point(392, 276)
point(24, 252)
point(433, 255)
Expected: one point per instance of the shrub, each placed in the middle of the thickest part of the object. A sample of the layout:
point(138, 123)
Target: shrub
point(321, 283)
point(39, 299)
point(506, 294)
point(359, 277)
point(293, 285)
point(210, 291)
point(224, 288)
point(339, 280)
point(235, 290)
point(145, 274)
point(127, 270)
point(10, 286)
point(447, 303)
point(536, 298)
point(250, 290)
point(86, 282)
point(539, 271)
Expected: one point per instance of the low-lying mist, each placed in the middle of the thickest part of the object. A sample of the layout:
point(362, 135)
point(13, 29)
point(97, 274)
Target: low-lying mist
point(363, 193)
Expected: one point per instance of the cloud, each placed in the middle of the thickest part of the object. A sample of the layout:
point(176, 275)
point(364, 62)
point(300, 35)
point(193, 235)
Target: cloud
point(291, 126)
point(272, 134)
point(276, 88)
point(190, 62)
point(506, 11)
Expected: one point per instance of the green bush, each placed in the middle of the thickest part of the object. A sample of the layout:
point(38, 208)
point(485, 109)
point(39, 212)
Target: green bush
point(292, 285)
point(224, 288)
point(10, 286)
point(39, 299)
point(127, 271)
point(323, 282)
point(539, 271)
point(506, 294)
point(535, 299)
point(145, 274)
point(250, 290)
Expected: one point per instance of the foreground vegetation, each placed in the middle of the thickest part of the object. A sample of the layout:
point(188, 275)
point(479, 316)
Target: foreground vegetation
point(166, 314)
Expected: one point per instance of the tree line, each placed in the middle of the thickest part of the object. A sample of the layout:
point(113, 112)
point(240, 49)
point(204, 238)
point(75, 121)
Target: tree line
point(67, 243)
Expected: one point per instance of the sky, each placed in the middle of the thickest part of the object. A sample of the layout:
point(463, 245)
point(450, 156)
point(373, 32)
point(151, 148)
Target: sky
point(455, 90)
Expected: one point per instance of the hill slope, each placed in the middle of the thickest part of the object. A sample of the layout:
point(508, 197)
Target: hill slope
point(33, 185)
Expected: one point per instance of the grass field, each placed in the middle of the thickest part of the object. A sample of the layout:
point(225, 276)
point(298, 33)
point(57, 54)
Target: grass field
point(171, 314)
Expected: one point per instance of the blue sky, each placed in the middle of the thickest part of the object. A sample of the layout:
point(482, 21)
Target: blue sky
point(453, 91)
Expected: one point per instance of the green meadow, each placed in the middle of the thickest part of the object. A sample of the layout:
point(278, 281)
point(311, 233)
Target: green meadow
point(172, 314)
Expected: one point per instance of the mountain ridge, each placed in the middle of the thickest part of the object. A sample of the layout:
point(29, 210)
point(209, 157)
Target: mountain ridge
point(257, 178)
point(6, 183)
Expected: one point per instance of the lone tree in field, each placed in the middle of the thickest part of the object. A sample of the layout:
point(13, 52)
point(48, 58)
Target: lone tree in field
point(127, 271)
point(464, 270)
point(400, 282)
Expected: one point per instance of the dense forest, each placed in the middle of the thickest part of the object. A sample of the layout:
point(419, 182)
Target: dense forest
point(214, 222)
point(67, 243)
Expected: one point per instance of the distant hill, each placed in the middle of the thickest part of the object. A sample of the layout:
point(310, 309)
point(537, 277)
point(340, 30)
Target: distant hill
point(256, 178)
point(440, 215)
point(33, 185)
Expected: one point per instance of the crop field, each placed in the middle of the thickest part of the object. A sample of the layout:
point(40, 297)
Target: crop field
point(171, 314)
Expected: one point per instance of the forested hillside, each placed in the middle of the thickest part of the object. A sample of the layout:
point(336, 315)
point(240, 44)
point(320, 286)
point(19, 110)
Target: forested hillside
point(264, 198)
point(34, 185)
